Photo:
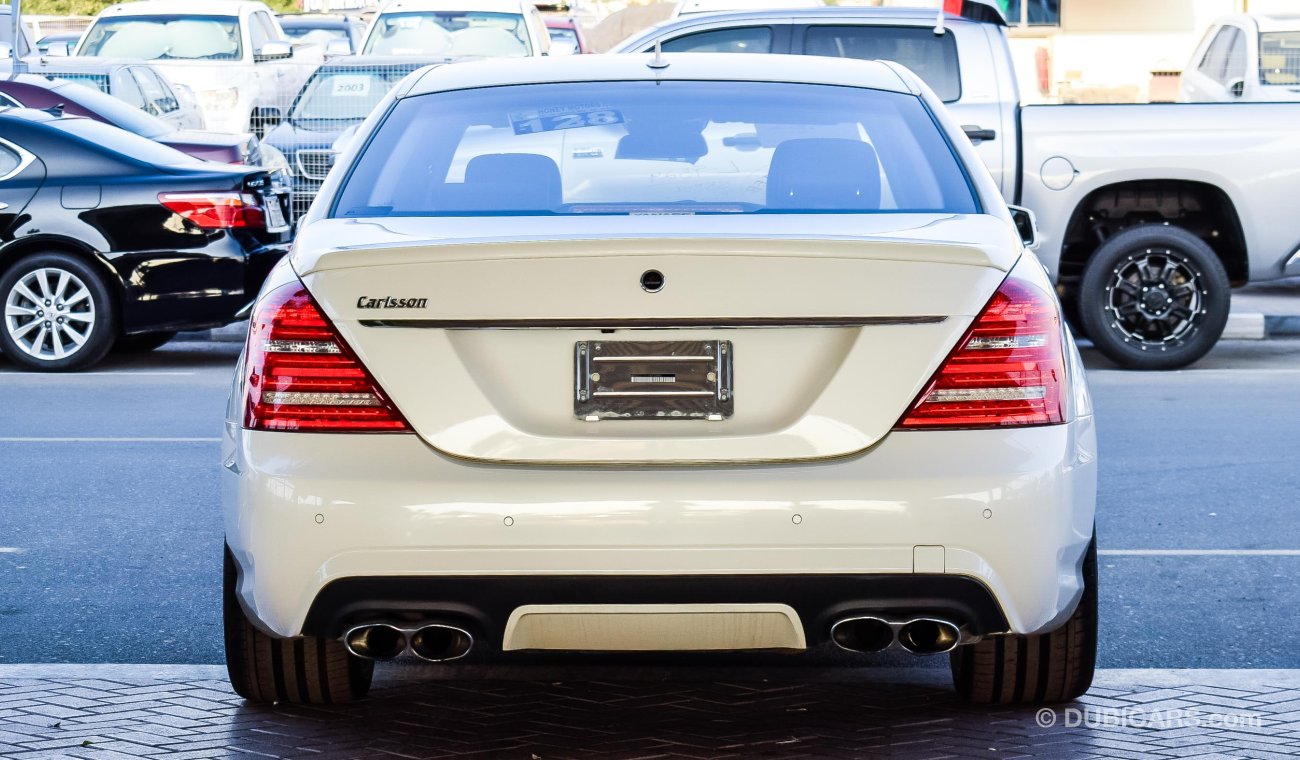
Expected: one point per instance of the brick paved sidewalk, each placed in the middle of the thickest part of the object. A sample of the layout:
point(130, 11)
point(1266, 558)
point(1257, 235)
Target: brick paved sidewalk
point(120, 711)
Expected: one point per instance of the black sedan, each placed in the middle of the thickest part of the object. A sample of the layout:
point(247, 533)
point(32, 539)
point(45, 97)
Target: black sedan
point(106, 237)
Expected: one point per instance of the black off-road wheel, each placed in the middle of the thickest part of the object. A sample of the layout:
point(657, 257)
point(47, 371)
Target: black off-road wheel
point(300, 670)
point(1154, 297)
point(1041, 669)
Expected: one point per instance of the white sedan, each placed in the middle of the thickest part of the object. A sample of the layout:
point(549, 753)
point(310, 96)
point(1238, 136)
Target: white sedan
point(689, 353)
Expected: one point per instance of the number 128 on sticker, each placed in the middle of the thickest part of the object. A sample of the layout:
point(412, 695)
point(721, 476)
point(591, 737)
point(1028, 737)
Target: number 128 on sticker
point(534, 121)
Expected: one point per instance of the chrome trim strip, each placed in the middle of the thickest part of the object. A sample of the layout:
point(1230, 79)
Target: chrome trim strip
point(25, 159)
point(649, 323)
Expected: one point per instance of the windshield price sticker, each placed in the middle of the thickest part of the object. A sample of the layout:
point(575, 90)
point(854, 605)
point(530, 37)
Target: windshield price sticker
point(563, 117)
point(357, 86)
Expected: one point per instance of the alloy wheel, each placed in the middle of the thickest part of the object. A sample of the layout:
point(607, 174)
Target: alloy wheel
point(1156, 298)
point(49, 313)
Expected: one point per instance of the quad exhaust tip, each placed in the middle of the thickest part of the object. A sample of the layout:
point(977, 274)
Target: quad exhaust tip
point(920, 636)
point(432, 642)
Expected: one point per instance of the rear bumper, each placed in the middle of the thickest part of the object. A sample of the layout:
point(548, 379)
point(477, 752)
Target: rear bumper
point(990, 525)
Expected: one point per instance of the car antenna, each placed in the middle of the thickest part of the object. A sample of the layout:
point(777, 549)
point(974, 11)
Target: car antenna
point(938, 23)
point(55, 110)
point(658, 61)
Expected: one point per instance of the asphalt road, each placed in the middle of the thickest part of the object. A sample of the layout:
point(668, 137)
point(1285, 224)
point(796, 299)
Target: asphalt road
point(110, 550)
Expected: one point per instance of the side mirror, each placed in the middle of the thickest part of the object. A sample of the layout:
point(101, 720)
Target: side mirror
point(1026, 224)
point(273, 51)
point(58, 50)
point(1237, 87)
point(6, 50)
point(337, 47)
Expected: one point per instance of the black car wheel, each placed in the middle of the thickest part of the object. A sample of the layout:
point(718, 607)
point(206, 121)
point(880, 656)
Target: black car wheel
point(142, 343)
point(1154, 297)
point(300, 670)
point(1057, 666)
point(58, 314)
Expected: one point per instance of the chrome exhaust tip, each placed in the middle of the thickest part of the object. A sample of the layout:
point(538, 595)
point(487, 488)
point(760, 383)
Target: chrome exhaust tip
point(862, 634)
point(375, 641)
point(441, 643)
point(929, 636)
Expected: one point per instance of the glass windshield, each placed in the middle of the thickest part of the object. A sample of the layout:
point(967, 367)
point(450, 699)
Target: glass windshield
point(117, 112)
point(933, 57)
point(1279, 58)
point(453, 33)
point(563, 36)
point(346, 94)
point(646, 148)
point(157, 38)
point(316, 35)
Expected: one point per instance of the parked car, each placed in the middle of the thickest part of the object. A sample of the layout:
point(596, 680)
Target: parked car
point(62, 43)
point(25, 44)
point(500, 361)
point(340, 95)
point(232, 54)
point(1247, 57)
point(106, 237)
point(459, 28)
point(1149, 213)
point(137, 84)
point(323, 29)
point(39, 92)
point(566, 36)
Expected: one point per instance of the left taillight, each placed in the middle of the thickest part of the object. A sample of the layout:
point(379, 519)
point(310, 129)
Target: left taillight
point(216, 211)
point(300, 375)
point(1009, 368)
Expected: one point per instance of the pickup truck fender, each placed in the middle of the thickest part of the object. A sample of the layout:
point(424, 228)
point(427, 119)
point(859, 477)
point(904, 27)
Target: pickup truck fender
point(1225, 172)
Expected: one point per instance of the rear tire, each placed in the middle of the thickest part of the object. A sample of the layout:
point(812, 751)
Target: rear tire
point(58, 316)
point(300, 670)
point(1154, 297)
point(1049, 667)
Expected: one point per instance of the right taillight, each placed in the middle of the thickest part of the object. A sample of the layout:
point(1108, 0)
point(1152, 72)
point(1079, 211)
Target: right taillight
point(300, 375)
point(1009, 368)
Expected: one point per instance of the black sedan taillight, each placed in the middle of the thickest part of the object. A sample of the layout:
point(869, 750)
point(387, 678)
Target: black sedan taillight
point(217, 210)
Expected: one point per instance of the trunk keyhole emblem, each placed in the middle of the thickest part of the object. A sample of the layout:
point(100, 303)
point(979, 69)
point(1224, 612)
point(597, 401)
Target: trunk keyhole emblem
point(652, 281)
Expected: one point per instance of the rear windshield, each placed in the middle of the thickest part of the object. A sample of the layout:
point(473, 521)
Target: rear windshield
point(1279, 58)
point(454, 33)
point(165, 37)
point(933, 57)
point(657, 148)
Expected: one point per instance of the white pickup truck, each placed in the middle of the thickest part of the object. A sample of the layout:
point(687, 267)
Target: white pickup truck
point(233, 55)
point(1148, 214)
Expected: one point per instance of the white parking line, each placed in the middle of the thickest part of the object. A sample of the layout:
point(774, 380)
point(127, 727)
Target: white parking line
point(1199, 552)
point(18, 439)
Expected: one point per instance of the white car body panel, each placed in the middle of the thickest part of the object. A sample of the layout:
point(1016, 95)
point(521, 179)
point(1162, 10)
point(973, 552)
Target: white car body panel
point(501, 481)
point(1202, 82)
point(722, 268)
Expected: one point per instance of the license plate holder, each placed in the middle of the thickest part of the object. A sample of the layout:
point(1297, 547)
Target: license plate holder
point(276, 219)
point(653, 380)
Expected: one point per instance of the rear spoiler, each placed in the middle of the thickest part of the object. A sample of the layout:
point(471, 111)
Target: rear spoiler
point(983, 11)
